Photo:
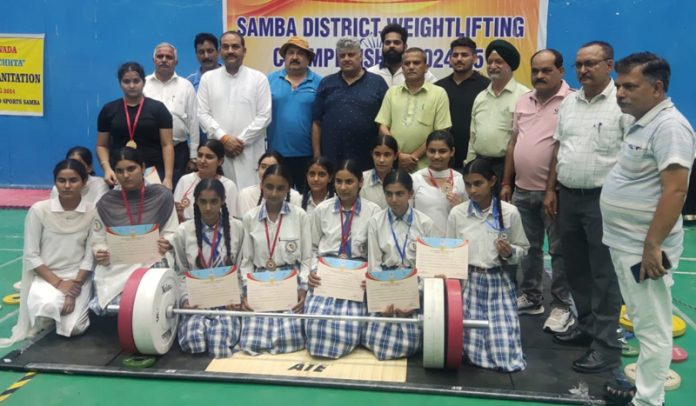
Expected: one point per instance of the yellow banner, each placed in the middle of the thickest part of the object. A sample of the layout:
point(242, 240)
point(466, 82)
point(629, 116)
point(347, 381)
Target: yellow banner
point(21, 74)
point(431, 25)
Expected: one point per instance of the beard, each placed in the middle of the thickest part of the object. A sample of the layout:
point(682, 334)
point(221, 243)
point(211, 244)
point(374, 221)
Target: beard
point(391, 57)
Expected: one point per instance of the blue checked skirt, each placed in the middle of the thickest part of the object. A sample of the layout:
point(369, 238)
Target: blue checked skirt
point(267, 334)
point(328, 338)
point(491, 296)
point(392, 341)
point(217, 334)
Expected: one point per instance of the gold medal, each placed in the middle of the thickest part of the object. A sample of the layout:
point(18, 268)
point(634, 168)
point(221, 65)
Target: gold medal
point(185, 202)
point(132, 144)
point(270, 264)
point(446, 188)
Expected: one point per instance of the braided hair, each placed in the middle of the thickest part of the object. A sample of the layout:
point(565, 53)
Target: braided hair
point(484, 168)
point(216, 186)
point(328, 167)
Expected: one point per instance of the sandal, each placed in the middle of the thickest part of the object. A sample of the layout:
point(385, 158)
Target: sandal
point(619, 395)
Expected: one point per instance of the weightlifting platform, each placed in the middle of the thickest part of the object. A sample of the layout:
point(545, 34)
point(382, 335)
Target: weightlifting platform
point(548, 377)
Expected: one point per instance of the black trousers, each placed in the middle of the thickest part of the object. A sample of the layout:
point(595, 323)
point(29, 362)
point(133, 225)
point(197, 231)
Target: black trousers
point(181, 158)
point(297, 166)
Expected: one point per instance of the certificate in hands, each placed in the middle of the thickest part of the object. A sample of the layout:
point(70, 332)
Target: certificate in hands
point(341, 278)
point(398, 287)
point(132, 245)
point(448, 256)
point(213, 287)
point(272, 290)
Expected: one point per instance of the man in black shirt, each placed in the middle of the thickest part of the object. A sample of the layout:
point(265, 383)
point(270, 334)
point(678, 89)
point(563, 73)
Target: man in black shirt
point(462, 86)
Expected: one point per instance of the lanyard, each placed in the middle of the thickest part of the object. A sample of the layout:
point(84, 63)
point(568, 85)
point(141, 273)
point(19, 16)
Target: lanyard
point(141, 202)
point(345, 247)
point(213, 248)
point(495, 223)
point(450, 179)
point(271, 248)
point(131, 127)
point(401, 250)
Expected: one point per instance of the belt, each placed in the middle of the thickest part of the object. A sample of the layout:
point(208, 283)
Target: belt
point(583, 192)
point(495, 269)
point(493, 159)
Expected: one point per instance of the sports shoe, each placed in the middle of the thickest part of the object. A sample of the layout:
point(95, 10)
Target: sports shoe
point(560, 320)
point(526, 306)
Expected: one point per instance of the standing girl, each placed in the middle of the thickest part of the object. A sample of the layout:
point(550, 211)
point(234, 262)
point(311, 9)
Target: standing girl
point(134, 204)
point(211, 239)
point(385, 156)
point(95, 186)
point(209, 160)
point(339, 229)
point(57, 259)
point(276, 236)
point(438, 188)
point(251, 196)
point(496, 238)
point(391, 244)
point(318, 186)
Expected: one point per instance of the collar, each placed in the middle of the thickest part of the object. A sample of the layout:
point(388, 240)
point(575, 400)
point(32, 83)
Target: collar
point(424, 88)
point(509, 87)
point(236, 75)
point(383, 66)
point(56, 207)
point(562, 92)
point(154, 77)
point(374, 178)
point(310, 77)
point(475, 210)
point(653, 112)
point(606, 93)
point(337, 205)
point(263, 214)
point(406, 218)
point(206, 228)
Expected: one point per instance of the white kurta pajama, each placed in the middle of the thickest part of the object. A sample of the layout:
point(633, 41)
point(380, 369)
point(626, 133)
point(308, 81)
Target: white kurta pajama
point(57, 239)
point(237, 105)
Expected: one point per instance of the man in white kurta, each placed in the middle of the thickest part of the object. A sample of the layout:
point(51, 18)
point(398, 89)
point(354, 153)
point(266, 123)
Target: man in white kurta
point(234, 106)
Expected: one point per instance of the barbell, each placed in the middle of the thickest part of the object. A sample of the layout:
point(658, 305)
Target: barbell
point(148, 316)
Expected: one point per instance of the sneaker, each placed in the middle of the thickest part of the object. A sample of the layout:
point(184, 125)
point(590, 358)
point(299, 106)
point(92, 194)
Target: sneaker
point(526, 306)
point(560, 320)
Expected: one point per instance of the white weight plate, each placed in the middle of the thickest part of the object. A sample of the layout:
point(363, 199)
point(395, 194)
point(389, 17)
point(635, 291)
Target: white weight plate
point(153, 331)
point(672, 382)
point(434, 323)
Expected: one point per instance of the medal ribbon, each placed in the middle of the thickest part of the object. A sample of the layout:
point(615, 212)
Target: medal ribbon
point(450, 179)
point(495, 224)
point(141, 202)
point(214, 254)
point(131, 127)
point(271, 249)
point(401, 250)
point(345, 231)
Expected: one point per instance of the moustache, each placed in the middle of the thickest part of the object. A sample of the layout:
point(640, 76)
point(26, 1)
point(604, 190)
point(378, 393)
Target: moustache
point(539, 81)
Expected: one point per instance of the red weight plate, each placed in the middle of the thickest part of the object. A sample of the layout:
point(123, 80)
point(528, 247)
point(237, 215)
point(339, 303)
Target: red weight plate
point(455, 326)
point(125, 311)
point(678, 354)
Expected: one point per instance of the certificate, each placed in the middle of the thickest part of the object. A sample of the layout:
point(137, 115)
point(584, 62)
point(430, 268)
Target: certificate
point(442, 256)
point(272, 290)
point(398, 287)
point(132, 245)
point(152, 176)
point(341, 278)
point(213, 287)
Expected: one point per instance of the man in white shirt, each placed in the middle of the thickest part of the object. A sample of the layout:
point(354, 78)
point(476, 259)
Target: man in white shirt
point(234, 106)
point(394, 45)
point(179, 96)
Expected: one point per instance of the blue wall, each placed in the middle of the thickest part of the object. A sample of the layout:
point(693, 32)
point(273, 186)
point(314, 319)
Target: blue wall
point(85, 45)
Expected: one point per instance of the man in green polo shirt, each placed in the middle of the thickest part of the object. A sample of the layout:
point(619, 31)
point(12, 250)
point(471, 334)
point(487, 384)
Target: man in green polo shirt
point(410, 112)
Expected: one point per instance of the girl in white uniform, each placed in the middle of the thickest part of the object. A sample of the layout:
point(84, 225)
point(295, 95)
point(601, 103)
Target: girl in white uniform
point(276, 236)
point(385, 156)
point(251, 196)
point(496, 237)
point(210, 157)
point(211, 239)
point(95, 186)
point(339, 229)
point(438, 188)
point(135, 203)
point(57, 259)
point(318, 183)
point(391, 244)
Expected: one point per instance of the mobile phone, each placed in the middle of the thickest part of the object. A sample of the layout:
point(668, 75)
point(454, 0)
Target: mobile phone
point(635, 269)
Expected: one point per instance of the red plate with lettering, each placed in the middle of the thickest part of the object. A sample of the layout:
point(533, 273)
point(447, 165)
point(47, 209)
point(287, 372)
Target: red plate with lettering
point(679, 354)
point(455, 327)
point(125, 311)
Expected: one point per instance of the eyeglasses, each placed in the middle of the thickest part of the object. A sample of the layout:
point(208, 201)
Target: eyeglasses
point(590, 63)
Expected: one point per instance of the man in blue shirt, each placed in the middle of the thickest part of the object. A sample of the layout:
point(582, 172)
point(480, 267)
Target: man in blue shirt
point(293, 90)
point(345, 108)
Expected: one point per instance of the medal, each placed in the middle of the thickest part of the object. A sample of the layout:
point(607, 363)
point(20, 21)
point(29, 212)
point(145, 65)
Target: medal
point(270, 264)
point(445, 187)
point(502, 236)
point(131, 144)
point(131, 127)
point(185, 202)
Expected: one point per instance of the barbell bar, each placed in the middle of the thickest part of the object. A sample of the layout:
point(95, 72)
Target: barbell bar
point(148, 316)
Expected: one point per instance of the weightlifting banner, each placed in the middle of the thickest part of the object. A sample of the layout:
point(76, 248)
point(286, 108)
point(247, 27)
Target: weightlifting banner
point(21, 74)
point(432, 25)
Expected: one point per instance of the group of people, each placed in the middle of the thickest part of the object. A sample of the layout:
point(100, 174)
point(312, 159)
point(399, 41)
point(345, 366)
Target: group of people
point(291, 167)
